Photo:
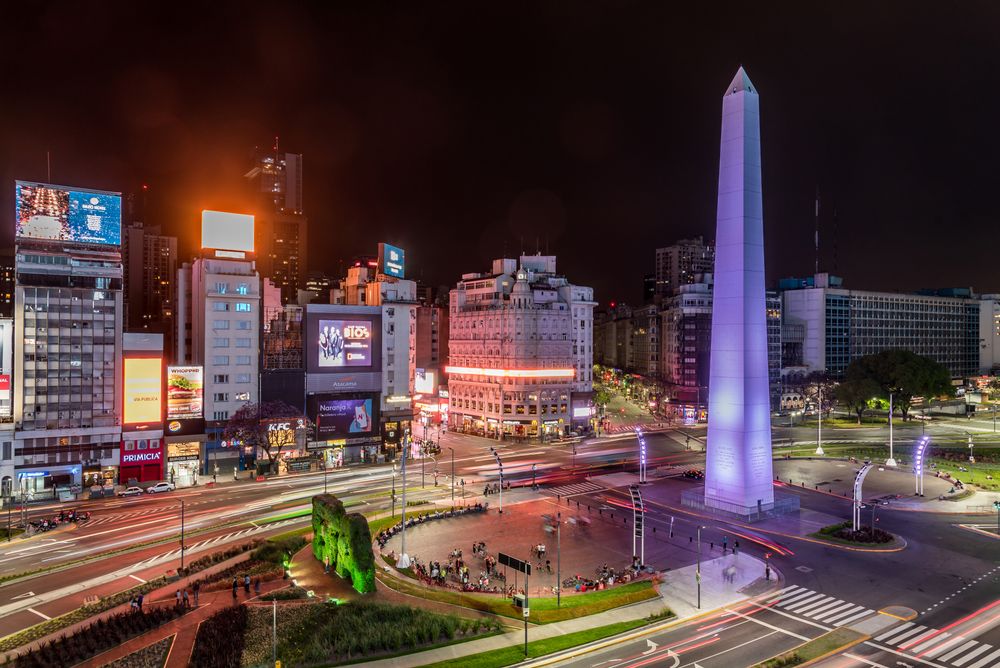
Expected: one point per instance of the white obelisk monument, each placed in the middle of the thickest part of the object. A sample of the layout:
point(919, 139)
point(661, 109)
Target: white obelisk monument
point(738, 467)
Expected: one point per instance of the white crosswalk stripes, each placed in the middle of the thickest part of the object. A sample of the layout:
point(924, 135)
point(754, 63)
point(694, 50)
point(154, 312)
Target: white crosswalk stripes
point(821, 607)
point(577, 488)
point(944, 648)
point(233, 535)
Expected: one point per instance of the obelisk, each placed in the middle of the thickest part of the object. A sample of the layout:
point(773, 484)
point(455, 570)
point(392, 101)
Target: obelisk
point(738, 459)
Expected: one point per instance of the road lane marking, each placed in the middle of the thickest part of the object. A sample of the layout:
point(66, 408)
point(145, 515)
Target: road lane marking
point(864, 660)
point(137, 578)
point(790, 616)
point(40, 614)
point(955, 652)
point(694, 664)
point(893, 631)
point(986, 659)
point(832, 613)
point(898, 639)
point(850, 620)
point(771, 626)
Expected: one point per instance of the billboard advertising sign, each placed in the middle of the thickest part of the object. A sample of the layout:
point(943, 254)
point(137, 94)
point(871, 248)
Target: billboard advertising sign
point(58, 213)
point(142, 457)
point(143, 390)
point(342, 416)
point(424, 381)
point(345, 344)
point(391, 260)
point(185, 388)
point(227, 231)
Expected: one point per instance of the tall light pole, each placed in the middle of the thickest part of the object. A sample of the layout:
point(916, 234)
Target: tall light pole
point(697, 573)
point(394, 490)
point(182, 534)
point(452, 472)
point(892, 460)
point(559, 553)
point(404, 559)
point(819, 424)
point(496, 455)
point(534, 468)
point(996, 504)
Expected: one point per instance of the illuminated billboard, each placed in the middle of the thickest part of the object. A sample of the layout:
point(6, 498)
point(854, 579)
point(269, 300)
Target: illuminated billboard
point(143, 390)
point(424, 381)
point(6, 366)
point(337, 416)
point(391, 260)
point(227, 231)
point(58, 213)
point(344, 343)
point(185, 392)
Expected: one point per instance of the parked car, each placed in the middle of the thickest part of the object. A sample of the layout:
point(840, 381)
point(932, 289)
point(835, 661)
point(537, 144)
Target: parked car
point(131, 491)
point(696, 474)
point(160, 487)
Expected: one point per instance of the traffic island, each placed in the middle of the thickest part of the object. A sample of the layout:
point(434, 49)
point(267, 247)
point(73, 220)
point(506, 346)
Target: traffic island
point(865, 537)
point(816, 649)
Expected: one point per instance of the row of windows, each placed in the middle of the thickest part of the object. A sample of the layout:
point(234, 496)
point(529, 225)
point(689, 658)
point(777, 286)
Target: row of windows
point(224, 324)
point(223, 378)
point(223, 288)
point(223, 342)
point(223, 360)
point(239, 307)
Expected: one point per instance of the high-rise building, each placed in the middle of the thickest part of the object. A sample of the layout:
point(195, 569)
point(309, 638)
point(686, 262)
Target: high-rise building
point(839, 325)
point(680, 263)
point(281, 226)
point(150, 268)
point(645, 342)
point(649, 288)
point(68, 319)
point(7, 284)
point(218, 325)
point(685, 343)
point(520, 351)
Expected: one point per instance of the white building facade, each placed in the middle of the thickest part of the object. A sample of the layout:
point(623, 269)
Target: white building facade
point(520, 351)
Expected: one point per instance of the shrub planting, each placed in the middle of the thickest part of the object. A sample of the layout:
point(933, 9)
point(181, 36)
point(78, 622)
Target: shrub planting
point(219, 643)
point(343, 541)
point(98, 637)
point(150, 656)
point(279, 550)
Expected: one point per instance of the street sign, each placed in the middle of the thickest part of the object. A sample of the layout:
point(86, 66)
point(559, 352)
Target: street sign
point(526, 612)
point(516, 564)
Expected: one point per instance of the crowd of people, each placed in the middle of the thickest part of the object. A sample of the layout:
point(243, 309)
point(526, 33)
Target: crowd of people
point(383, 536)
point(604, 577)
point(456, 571)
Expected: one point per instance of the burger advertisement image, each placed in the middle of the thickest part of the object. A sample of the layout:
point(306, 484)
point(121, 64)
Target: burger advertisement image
point(185, 399)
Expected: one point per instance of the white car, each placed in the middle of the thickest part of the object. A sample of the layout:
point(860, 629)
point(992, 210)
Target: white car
point(131, 491)
point(160, 487)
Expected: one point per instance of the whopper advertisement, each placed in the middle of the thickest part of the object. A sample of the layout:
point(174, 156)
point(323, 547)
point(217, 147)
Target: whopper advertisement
point(344, 417)
point(345, 344)
point(58, 213)
point(185, 389)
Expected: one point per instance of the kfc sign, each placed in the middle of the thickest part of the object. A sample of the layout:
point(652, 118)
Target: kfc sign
point(140, 457)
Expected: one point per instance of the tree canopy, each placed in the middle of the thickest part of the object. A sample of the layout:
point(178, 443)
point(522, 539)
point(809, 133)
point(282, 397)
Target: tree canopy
point(260, 426)
point(902, 373)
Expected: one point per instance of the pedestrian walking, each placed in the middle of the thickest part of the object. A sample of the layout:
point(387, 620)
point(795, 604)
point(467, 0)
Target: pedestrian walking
point(139, 601)
point(134, 603)
point(196, 588)
point(767, 572)
point(246, 584)
point(178, 596)
point(187, 601)
point(256, 586)
point(236, 586)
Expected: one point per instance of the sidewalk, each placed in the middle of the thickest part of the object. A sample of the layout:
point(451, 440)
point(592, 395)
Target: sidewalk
point(715, 593)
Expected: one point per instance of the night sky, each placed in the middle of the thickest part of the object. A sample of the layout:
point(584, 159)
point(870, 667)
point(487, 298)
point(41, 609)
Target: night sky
point(461, 130)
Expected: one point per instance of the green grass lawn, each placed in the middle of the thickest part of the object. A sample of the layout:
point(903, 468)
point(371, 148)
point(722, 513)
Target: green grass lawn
point(511, 655)
point(543, 610)
point(837, 639)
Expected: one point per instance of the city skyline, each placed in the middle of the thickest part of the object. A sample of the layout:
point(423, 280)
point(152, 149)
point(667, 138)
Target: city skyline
point(404, 141)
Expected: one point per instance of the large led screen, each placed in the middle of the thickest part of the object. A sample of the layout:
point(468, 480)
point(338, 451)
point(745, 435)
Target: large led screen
point(57, 213)
point(342, 417)
point(391, 260)
point(344, 344)
point(424, 381)
point(185, 389)
point(227, 231)
point(143, 390)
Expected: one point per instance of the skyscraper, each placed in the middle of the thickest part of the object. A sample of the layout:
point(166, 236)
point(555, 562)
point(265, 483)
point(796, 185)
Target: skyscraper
point(281, 227)
point(680, 263)
point(738, 465)
point(150, 266)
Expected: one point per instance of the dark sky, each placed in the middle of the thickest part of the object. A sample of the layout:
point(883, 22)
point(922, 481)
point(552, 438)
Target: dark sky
point(457, 129)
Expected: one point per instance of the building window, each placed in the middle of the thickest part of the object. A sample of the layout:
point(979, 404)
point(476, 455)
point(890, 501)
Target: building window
point(220, 396)
point(243, 359)
point(220, 306)
point(221, 360)
point(243, 396)
point(220, 342)
point(242, 343)
point(244, 324)
point(220, 378)
point(220, 324)
point(243, 289)
point(242, 378)
point(222, 288)
point(243, 307)
point(220, 415)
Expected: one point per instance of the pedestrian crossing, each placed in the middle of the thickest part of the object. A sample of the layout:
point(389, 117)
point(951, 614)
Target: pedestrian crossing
point(586, 487)
point(941, 646)
point(204, 544)
point(97, 520)
point(820, 607)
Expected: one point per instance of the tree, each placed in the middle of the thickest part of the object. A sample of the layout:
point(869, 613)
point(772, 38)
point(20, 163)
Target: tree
point(602, 395)
point(856, 393)
point(269, 426)
point(994, 385)
point(904, 375)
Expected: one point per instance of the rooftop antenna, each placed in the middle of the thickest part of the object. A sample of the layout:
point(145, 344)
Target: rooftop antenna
point(275, 146)
point(816, 239)
point(834, 240)
point(48, 166)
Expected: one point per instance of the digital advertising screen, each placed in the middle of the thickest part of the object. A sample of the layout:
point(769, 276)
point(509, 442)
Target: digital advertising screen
point(344, 416)
point(424, 381)
point(391, 260)
point(59, 213)
point(227, 231)
point(345, 344)
point(143, 390)
point(185, 392)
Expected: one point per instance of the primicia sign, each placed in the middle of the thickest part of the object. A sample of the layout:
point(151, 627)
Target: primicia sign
point(140, 457)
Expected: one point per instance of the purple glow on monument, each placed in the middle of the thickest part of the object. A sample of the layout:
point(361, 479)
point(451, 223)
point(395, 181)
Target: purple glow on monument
point(738, 460)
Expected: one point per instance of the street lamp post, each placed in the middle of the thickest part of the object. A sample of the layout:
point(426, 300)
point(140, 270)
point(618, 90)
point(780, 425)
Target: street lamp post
point(404, 560)
point(559, 554)
point(697, 573)
point(496, 455)
point(182, 534)
point(394, 491)
point(452, 473)
point(819, 423)
point(892, 460)
point(534, 468)
point(423, 455)
point(996, 504)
